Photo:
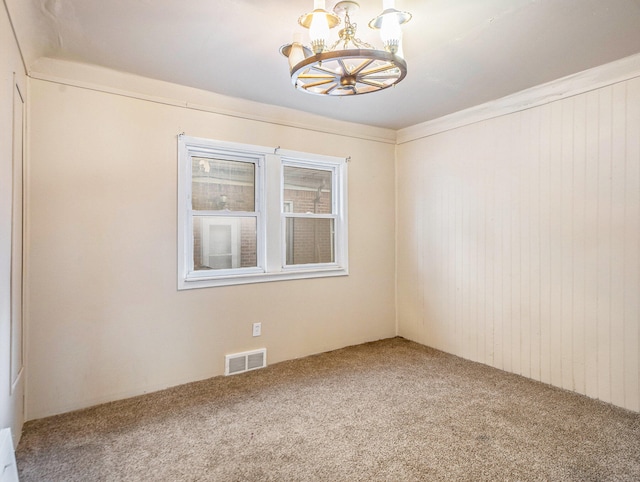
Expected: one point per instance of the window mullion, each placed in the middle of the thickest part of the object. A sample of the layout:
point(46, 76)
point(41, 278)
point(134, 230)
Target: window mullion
point(272, 203)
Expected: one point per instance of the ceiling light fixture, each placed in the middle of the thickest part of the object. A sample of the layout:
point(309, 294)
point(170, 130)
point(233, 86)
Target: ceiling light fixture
point(349, 66)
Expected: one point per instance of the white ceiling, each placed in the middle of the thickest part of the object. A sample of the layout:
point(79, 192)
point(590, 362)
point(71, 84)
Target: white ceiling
point(460, 53)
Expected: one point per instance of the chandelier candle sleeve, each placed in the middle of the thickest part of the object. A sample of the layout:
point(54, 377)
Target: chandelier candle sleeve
point(390, 32)
point(297, 52)
point(319, 22)
point(319, 28)
point(350, 66)
point(389, 22)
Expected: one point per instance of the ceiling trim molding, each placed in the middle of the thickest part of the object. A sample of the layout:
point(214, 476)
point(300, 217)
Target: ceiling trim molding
point(572, 85)
point(105, 80)
point(15, 36)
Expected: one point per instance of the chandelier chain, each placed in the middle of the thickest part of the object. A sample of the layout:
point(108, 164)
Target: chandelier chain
point(347, 35)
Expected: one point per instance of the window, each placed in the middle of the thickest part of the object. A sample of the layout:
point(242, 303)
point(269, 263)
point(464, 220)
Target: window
point(248, 214)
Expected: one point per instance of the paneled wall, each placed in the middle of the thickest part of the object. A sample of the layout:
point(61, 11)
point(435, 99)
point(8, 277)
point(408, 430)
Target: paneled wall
point(519, 238)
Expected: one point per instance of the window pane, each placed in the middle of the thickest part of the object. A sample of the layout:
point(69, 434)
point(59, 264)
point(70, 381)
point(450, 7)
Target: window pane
point(307, 190)
point(310, 241)
point(219, 185)
point(221, 242)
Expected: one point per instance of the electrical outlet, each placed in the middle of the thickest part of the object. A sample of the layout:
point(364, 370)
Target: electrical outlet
point(257, 329)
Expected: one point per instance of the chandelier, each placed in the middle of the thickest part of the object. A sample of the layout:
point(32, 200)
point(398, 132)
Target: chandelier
point(349, 66)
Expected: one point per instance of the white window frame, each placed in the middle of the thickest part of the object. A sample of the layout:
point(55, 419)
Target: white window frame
point(269, 213)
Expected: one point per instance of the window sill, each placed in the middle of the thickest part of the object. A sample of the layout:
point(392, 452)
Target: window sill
point(241, 279)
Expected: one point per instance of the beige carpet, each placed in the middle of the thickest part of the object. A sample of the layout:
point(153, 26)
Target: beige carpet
point(391, 410)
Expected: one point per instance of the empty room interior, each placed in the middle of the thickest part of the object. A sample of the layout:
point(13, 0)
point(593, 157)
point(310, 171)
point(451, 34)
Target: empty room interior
point(309, 240)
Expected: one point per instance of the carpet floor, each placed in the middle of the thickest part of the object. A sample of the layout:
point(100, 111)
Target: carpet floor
point(391, 410)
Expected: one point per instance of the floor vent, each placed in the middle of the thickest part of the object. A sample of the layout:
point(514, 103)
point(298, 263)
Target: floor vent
point(246, 361)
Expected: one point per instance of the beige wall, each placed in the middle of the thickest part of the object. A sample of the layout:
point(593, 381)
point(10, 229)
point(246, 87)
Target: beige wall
point(518, 242)
point(106, 320)
point(11, 380)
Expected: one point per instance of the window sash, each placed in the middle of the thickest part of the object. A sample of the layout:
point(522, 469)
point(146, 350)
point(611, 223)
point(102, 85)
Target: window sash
point(336, 234)
point(235, 244)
